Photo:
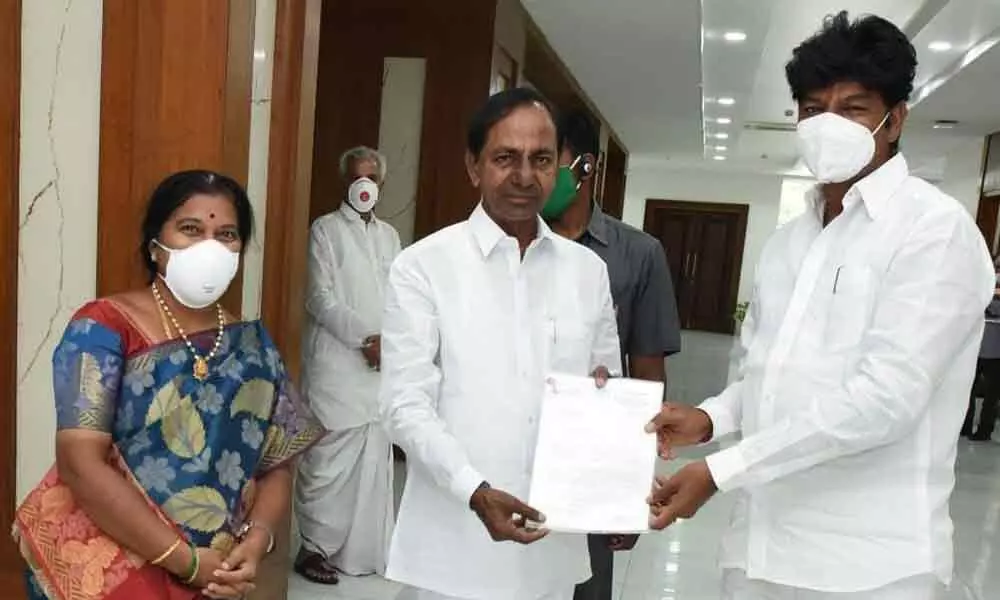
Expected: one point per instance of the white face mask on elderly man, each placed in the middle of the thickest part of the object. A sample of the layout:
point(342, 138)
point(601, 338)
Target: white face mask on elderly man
point(836, 148)
point(363, 195)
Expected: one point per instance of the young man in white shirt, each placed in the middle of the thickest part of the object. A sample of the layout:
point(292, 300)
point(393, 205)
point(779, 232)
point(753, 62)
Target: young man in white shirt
point(343, 494)
point(861, 346)
point(475, 317)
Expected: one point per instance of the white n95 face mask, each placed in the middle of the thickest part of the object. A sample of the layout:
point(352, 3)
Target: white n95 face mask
point(201, 273)
point(836, 148)
point(363, 195)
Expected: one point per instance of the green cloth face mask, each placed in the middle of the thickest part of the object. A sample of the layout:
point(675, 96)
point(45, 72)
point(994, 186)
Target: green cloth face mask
point(563, 193)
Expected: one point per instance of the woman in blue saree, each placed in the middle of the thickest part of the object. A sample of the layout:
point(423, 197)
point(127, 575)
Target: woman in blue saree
point(194, 403)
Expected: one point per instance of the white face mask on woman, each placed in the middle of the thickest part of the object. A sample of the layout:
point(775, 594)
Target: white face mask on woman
point(836, 148)
point(201, 273)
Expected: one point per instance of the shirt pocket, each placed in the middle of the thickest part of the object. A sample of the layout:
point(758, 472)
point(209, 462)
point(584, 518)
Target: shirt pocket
point(570, 345)
point(851, 304)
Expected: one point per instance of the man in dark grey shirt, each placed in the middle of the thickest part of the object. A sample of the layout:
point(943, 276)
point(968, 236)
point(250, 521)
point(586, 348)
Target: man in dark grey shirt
point(648, 325)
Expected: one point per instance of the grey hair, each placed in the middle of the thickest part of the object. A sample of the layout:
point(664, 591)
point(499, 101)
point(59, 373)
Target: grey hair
point(362, 153)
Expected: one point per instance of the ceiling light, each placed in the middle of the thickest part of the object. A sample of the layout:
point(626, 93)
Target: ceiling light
point(727, 101)
point(734, 36)
point(945, 124)
point(939, 46)
point(721, 136)
point(723, 120)
point(721, 148)
point(717, 157)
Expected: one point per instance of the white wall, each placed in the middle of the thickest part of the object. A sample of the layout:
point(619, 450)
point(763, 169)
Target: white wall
point(963, 173)
point(400, 131)
point(761, 192)
point(57, 267)
point(260, 133)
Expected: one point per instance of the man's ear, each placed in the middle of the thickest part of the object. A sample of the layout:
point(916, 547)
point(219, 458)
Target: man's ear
point(472, 168)
point(897, 117)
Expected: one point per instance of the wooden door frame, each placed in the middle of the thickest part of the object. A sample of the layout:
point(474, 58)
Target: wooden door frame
point(289, 174)
point(10, 97)
point(742, 213)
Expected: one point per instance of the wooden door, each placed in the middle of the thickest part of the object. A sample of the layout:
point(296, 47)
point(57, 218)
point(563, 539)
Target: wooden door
point(704, 247)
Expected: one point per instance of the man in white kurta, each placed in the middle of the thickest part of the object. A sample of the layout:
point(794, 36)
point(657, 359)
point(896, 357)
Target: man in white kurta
point(861, 344)
point(476, 315)
point(344, 492)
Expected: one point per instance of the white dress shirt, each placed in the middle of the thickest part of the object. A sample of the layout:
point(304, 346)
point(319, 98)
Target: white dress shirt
point(348, 267)
point(861, 347)
point(470, 331)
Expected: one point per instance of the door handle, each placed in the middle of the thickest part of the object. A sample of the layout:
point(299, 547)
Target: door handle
point(687, 263)
point(694, 269)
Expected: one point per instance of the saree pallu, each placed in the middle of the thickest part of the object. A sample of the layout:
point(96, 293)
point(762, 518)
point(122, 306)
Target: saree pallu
point(193, 448)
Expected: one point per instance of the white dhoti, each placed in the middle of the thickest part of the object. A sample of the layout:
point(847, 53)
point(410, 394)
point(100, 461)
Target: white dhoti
point(344, 499)
point(736, 586)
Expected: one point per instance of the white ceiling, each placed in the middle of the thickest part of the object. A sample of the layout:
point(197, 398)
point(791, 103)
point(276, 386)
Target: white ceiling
point(656, 69)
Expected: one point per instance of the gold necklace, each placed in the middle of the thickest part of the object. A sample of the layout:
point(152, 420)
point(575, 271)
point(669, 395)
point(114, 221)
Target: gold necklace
point(200, 362)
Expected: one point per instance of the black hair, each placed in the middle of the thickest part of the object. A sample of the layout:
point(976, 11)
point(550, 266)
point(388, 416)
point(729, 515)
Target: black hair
point(496, 109)
point(175, 190)
point(578, 133)
point(870, 51)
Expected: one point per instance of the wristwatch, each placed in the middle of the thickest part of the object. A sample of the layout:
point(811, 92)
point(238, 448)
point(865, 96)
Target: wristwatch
point(244, 531)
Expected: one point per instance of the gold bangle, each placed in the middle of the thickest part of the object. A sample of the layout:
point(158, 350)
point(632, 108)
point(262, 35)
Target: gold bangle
point(167, 554)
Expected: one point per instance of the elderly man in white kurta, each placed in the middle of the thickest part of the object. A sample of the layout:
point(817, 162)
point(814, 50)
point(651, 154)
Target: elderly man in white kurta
point(343, 494)
point(475, 316)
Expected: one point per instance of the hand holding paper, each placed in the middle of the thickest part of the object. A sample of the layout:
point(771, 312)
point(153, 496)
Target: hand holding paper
point(679, 425)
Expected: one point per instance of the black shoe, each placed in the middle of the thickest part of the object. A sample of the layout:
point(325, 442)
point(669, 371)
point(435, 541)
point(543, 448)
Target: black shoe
point(981, 437)
point(965, 433)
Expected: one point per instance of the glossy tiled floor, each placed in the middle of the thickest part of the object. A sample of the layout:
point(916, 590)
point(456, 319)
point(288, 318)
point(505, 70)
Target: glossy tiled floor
point(679, 564)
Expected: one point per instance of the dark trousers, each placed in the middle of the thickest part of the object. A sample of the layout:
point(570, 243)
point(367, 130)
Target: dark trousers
point(989, 370)
point(602, 565)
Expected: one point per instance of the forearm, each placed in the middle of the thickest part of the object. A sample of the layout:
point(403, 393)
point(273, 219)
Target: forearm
point(648, 368)
point(858, 417)
point(418, 430)
point(274, 498)
point(121, 512)
point(338, 319)
point(725, 411)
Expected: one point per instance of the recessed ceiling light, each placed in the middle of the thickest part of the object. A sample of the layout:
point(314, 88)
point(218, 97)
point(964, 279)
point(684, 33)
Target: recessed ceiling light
point(727, 101)
point(717, 157)
point(721, 148)
point(734, 36)
point(723, 120)
point(945, 124)
point(939, 46)
point(721, 136)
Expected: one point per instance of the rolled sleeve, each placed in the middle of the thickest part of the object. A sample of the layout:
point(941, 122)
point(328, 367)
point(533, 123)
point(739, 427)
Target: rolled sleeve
point(656, 327)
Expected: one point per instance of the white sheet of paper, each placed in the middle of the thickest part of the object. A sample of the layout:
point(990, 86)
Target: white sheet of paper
point(594, 462)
